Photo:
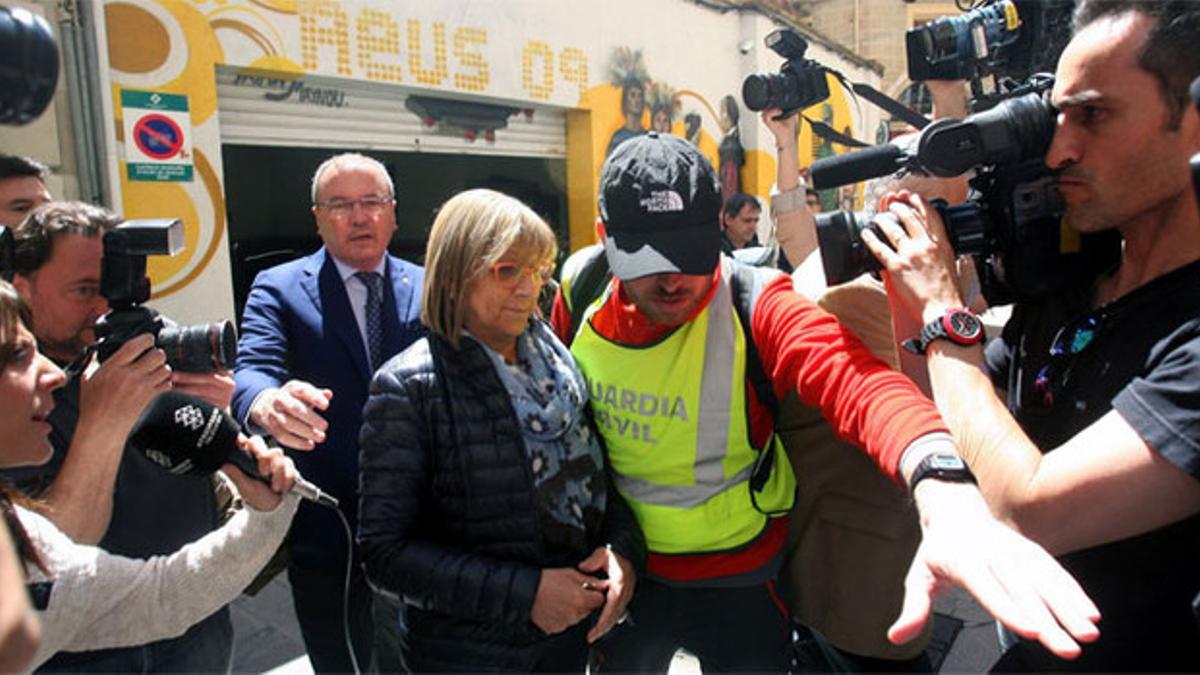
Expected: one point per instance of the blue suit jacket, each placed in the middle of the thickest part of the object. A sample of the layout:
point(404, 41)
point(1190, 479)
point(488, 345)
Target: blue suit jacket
point(298, 324)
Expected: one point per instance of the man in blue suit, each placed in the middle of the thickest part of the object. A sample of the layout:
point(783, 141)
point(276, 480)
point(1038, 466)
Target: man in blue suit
point(313, 332)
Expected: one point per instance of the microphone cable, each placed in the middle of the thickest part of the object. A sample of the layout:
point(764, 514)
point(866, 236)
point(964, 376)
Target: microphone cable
point(349, 640)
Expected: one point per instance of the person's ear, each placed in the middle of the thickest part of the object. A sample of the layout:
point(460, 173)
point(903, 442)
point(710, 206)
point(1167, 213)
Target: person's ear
point(24, 285)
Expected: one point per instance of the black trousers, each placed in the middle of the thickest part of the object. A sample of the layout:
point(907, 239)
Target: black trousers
point(729, 630)
point(317, 596)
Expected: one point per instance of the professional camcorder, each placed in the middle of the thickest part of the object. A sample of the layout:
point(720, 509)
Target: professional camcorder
point(1013, 226)
point(1007, 40)
point(799, 83)
point(202, 348)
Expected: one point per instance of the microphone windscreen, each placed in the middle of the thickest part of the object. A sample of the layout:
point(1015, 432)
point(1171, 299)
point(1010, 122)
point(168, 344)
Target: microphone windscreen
point(857, 166)
point(185, 434)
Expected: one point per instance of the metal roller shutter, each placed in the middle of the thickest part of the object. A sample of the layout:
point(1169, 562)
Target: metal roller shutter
point(313, 111)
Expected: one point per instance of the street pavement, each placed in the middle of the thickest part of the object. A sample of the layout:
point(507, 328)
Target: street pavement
point(267, 637)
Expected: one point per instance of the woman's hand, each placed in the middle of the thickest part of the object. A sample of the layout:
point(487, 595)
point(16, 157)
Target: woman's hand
point(621, 582)
point(272, 464)
point(565, 596)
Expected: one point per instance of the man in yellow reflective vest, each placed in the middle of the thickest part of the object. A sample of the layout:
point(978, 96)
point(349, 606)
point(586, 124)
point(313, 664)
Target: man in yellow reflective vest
point(672, 352)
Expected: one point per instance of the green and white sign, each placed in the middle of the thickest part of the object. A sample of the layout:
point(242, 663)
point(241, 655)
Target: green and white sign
point(158, 136)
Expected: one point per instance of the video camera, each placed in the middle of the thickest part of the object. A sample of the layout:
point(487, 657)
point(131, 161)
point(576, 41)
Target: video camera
point(799, 83)
point(202, 348)
point(1013, 226)
point(1007, 40)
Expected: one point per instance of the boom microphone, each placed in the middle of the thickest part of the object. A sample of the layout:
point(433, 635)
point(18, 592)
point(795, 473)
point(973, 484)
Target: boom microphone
point(857, 166)
point(186, 435)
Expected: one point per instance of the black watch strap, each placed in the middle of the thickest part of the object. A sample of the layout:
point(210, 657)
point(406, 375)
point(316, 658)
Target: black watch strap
point(957, 325)
point(943, 466)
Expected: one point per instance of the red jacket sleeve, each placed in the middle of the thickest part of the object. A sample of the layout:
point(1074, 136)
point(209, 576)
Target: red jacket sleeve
point(868, 404)
point(560, 318)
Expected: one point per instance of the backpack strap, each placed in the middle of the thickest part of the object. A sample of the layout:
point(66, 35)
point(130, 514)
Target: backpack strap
point(585, 276)
point(746, 283)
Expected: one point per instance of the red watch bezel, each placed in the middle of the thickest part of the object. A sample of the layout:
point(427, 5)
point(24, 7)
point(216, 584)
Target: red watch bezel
point(953, 334)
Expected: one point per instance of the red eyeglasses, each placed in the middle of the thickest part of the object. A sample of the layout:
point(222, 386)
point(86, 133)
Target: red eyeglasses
point(510, 274)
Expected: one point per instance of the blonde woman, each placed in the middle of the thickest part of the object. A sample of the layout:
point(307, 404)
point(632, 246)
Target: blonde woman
point(485, 503)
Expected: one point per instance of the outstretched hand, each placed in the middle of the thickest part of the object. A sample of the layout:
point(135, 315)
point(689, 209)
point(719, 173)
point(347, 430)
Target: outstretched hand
point(1014, 579)
point(291, 414)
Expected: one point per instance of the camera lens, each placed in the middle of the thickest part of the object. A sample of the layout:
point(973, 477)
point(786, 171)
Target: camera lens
point(843, 253)
point(28, 65)
point(758, 91)
point(202, 348)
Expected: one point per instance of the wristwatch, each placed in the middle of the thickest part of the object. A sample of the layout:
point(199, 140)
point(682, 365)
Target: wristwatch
point(942, 466)
point(957, 325)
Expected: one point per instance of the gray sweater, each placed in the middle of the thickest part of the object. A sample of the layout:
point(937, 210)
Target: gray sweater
point(99, 600)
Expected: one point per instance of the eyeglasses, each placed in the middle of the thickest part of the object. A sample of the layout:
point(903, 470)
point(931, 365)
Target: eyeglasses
point(372, 205)
point(1070, 341)
point(510, 273)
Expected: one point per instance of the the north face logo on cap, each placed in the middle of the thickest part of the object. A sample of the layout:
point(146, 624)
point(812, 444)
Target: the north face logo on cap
point(662, 202)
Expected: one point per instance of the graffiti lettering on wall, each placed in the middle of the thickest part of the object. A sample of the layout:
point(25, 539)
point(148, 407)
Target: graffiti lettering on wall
point(281, 90)
point(381, 45)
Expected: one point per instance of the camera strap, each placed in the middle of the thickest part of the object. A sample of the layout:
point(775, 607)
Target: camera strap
point(873, 95)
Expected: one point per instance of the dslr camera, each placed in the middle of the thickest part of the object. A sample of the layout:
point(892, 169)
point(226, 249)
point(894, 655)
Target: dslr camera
point(799, 83)
point(202, 348)
point(1013, 225)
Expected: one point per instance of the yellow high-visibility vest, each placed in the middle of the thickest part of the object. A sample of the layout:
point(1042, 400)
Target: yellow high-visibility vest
point(673, 416)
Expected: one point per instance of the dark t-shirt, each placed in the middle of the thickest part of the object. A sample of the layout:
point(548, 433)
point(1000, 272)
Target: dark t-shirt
point(1145, 363)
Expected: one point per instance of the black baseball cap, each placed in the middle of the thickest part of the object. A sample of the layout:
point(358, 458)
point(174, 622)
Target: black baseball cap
point(661, 205)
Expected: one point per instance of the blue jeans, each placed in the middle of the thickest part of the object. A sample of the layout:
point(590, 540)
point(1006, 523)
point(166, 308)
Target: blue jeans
point(206, 647)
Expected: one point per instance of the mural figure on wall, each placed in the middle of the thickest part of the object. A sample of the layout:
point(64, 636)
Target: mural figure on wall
point(663, 104)
point(628, 71)
point(691, 127)
point(730, 153)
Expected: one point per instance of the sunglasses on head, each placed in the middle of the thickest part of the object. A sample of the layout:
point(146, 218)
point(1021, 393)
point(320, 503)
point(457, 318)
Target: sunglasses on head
point(1070, 341)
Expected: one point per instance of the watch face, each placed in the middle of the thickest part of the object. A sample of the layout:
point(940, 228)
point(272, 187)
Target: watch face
point(963, 326)
point(946, 463)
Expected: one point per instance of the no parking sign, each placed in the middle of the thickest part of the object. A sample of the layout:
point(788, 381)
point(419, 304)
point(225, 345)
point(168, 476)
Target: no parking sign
point(158, 136)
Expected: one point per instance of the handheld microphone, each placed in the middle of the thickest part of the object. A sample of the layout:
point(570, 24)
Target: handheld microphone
point(186, 435)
